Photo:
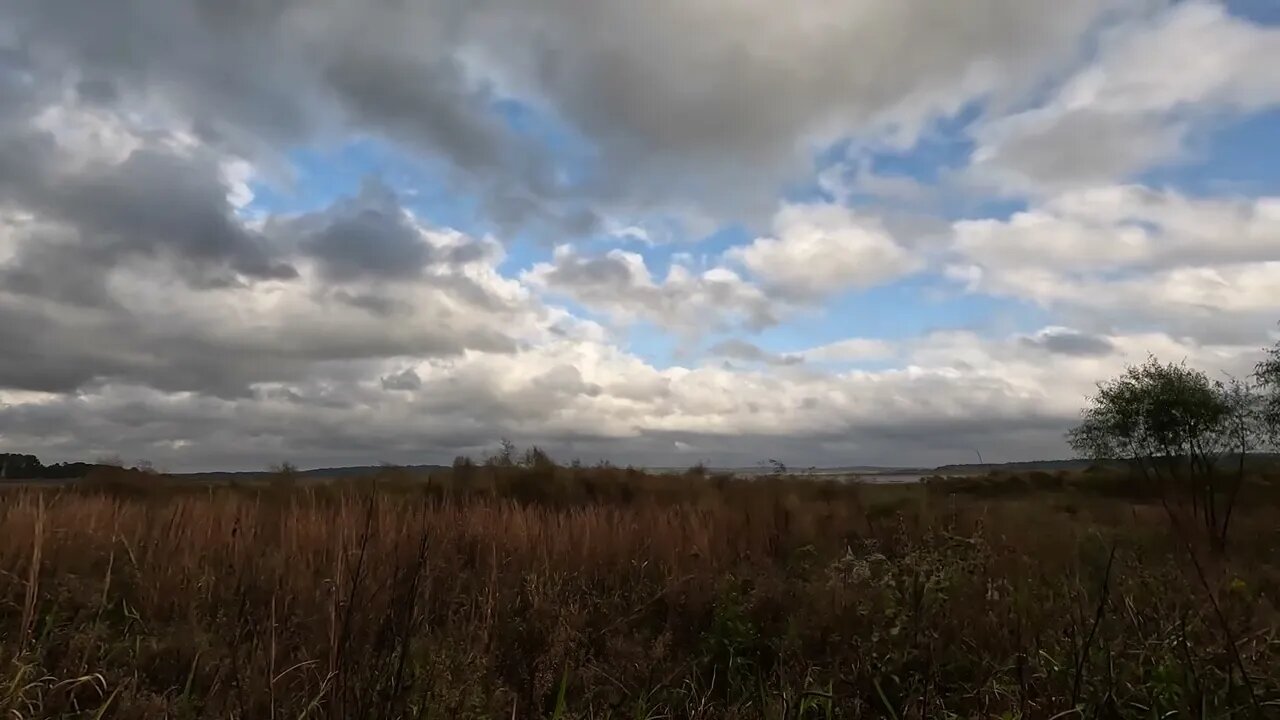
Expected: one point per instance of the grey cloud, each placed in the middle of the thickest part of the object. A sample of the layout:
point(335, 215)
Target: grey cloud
point(25, 158)
point(252, 433)
point(427, 102)
point(155, 203)
point(30, 361)
point(371, 236)
point(599, 272)
point(737, 349)
point(406, 379)
point(694, 107)
point(378, 305)
point(79, 327)
point(19, 94)
point(255, 78)
point(79, 285)
point(61, 353)
point(51, 266)
point(586, 401)
point(100, 91)
point(222, 62)
point(466, 290)
point(64, 350)
point(1077, 149)
point(1066, 342)
point(713, 101)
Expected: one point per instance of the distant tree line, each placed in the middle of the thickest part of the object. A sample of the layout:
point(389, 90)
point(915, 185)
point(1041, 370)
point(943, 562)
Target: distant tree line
point(15, 466)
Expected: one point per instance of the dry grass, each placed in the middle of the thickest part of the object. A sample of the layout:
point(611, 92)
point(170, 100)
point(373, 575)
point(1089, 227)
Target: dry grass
point(598, 593)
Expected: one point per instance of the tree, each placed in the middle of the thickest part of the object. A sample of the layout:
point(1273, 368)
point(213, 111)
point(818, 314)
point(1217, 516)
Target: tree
point(535, 458)
point(21, 467)
point(1267, 375)
point(284, 470)
point(1243, 432)
point(505, 457)
point(1175, 426)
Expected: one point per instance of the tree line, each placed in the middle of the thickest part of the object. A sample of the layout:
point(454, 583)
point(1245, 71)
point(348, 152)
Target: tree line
point(16, 466)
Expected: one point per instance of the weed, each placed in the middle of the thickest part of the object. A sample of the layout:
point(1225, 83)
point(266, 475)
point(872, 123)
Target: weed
point(530, 590)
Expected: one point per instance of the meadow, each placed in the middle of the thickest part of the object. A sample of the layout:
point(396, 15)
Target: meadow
point(539, 591)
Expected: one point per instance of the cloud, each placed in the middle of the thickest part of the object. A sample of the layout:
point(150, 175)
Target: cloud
point(125, 259)
point(1064, 341)
point(718, 101)
point(737, 349)
point(706, 107)
point(1135, 105)
point(1205, 267)
point(371, 236)
point(581, 397)
point(154, 280)
point(851, 350)
point(166, 307)
point(406, 379)
point(155, 201)
point(820, 249)
point(620, 285)
point(226, 341)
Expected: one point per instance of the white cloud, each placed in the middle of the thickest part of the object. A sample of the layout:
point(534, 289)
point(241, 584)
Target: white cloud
point(851, 350)
point(819, 249)
point(1152, 81)
point(620, 285)
point(87, 135)
point(238, 174)
point(1013, 397)
point(1208, 292)
point(1129, 254)
point(1125, 227)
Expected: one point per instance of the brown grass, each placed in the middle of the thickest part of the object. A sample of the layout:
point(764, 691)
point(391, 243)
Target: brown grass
point(549, 592)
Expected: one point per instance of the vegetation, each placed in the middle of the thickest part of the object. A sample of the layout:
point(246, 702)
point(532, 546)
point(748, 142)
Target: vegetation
point(15, 466)
point(538, 591)
point(515, 587)
point(1268, 377)
point(1176, 428)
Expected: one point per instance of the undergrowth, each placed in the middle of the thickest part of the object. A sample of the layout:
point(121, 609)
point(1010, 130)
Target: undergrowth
point(545, 592)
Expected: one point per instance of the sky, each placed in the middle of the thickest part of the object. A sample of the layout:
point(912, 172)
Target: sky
point(833, 232)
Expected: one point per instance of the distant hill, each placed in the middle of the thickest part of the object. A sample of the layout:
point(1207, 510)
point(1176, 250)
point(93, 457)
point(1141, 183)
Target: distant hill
point(1252, 460)
point(329, 472)
point(27, 467)
point(21, 467)
point(1027, 466)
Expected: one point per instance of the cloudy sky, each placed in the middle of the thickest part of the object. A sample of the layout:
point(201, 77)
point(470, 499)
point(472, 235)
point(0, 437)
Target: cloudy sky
point(236, 232)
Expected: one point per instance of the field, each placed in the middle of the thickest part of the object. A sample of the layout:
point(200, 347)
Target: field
point(550, 592)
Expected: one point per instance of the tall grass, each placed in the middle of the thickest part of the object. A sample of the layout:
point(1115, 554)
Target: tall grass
point(591, 593)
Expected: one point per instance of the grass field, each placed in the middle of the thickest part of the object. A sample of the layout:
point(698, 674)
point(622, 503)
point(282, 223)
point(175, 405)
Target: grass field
point(549, 592)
